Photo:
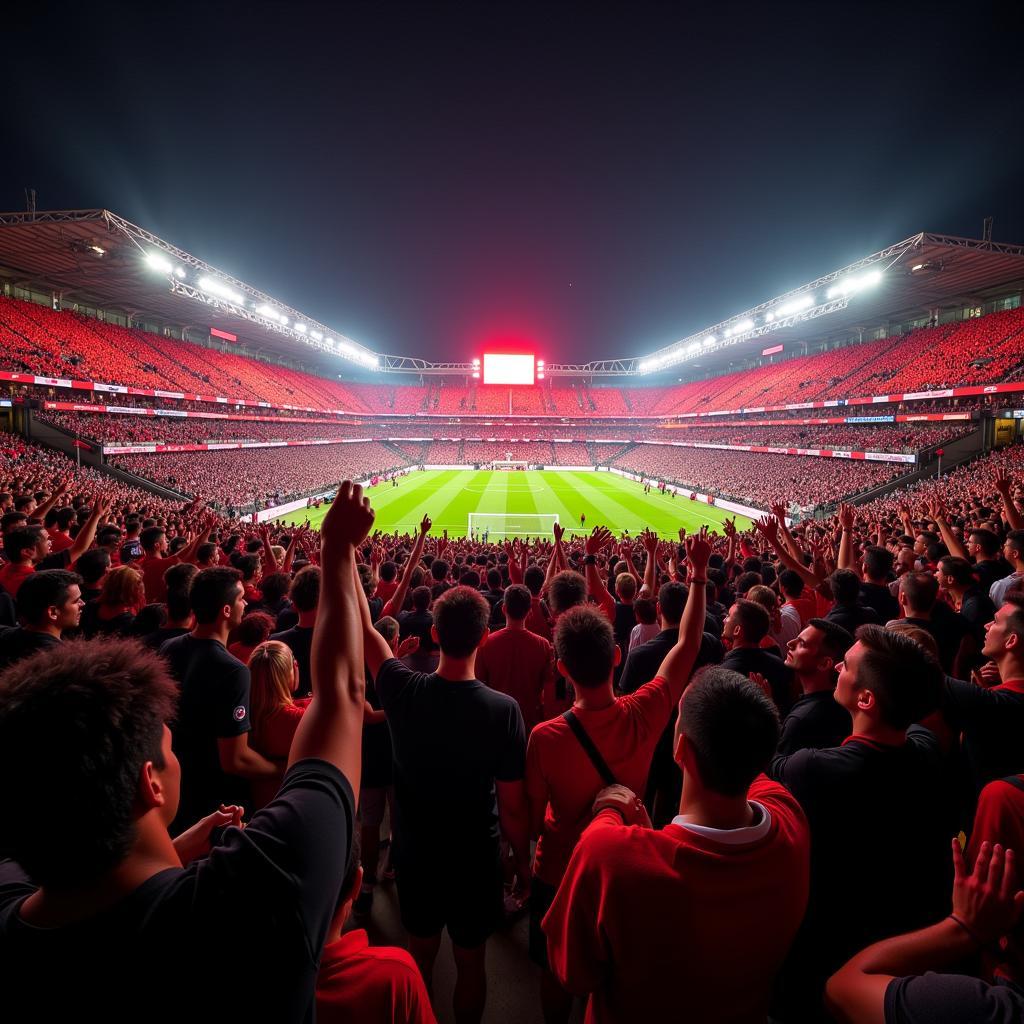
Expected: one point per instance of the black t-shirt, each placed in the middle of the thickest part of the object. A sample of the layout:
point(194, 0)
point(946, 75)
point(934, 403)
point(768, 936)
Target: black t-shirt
point(55, 560)
point(879, 597)
point(977, 610)
point(93, 625)
point(850, 616)
point(377, 753)
point(452, 741)
point(414, 623)
point(814, 722)
point(753, 659)
point(155, 640)
point(235, 935)
point(989, 571)
point(952, 999)
point(946, 628)
point(18, 643)
point(880, 831)
point(214, 705)
point(300, 640)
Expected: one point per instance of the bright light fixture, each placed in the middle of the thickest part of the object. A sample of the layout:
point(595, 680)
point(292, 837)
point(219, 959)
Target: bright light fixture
point(212, 286)
point(853, 284)
point(179, 271)
point(156, 261)
point(709, 340)
point(316, 335)
point(301, 328)
point(743, 325)
point(794, 305)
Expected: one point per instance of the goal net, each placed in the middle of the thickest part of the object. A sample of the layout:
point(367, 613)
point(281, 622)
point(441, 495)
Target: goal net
point(498, 525)
point(509, 464)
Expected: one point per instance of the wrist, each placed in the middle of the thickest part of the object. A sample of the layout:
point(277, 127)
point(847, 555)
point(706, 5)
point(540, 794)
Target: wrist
point(590, 560)
point(697, 580)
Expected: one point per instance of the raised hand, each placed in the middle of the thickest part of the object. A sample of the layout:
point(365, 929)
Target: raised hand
point(698, 551)
point(729, 527)
point(349, 518)
point(768, 528)
point(682, 534)
point(649, 539)
point(559, 532)
point(846, 516)
point(987, 900)
point(778, 510)
point(759, 680)
point(1003, 482)
point(599, 537)
point(409, 645)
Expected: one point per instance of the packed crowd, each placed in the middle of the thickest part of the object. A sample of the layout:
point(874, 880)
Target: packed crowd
point(248, 478)
point(733, 771)
point(755, 477)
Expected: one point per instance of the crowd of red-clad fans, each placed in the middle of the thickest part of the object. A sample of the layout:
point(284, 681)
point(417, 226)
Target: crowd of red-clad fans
point(775, 774)
point(247, 478)
point(35, 339)
point(756, 477)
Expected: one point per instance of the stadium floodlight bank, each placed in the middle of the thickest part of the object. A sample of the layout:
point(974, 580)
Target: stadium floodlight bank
point(500, 525)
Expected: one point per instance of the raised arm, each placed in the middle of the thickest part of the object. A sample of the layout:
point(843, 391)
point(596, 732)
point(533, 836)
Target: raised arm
point(846, 521)
point(190, 552)
point(515, 574)
point(938, 513)
point(332, 727)
point(87, 534)
point(787, 540)
point(557, 556)
point(679, 661)
point(649, 539)
point(43, 507)
point(626, 554)
point(768, 529)
point(599, 538)
point(289, 555)
point(1004, 485)
point(397, 600)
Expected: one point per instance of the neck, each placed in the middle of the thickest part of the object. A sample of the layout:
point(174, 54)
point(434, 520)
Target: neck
point(514, 624)
point(593, 698)
point(872, 729)
point(457, 670)
point(699, 806)
point(1010, 667)
point(218, 631)
point(816, 683)
point(151, 853)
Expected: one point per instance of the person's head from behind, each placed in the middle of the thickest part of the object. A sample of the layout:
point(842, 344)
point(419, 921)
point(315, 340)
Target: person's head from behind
point(274, 587)
point(461, 615)
point(845, 587)
point(305, 589)
point(254, 628)
point(421, 599)
point(217, 598)
point(918, 593)
point(767, 599)
point(817, 649)
point(982, 544)
point(646, 611)
point(92, 566)
point(920, 636)
point(123, 588)
point(954, 574)
point(439, 570)
point(82, 728)
point(249, 567)
point(534, 579)
point(274, 675)
point(1004, 635)
point(208, 555)
point(51, 600)
point(671, 602)
point(178, 579)
point(791, 584)
point(585, 647)
point(517, 603)
point(877, 563)
point(746, 625)
point(154, 540)
point(888, 679)
point(746, 582)
point(493, 579)
point(727, 731)
point(388, 572)
point(567, 590)
point(625, 587)
point(389, 629)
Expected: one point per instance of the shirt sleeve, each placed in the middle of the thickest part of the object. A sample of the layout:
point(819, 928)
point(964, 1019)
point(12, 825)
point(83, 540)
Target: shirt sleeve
point(292, 854)
point(511, 765)
point(962, 699)
point(233, 703)
point(652, 704)
point(950, 999)
point(392, 677)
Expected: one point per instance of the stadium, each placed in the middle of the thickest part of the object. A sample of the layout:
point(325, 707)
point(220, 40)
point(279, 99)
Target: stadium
point(850, 387)
point(512, 514)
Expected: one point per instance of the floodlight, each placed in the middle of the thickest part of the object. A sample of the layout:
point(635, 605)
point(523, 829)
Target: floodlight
point(476, 374)
point(212, 286)
point(709, 340)
point(158, 262)
point(728, 332)
point(301, 328)
point(743, 325)
point(871, 278)
point(769, 317)
point(694, 347)
point(540, 362)
point(540, 375)
point(316, 335)
point(98, 249)
point(284, 321)
point(795, 305)
point(476, 362)
point(179, 271)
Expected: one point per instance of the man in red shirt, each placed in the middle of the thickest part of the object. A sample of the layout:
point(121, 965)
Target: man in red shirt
point(155, 560)
point(358, 981)
point(602, 739)
point(693, 919)
point(516, 661)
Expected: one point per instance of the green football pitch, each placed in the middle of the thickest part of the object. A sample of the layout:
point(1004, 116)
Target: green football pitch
point(449, 496)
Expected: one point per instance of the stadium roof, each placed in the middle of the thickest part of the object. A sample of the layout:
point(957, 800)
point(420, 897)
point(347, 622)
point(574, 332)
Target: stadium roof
point(97, 258)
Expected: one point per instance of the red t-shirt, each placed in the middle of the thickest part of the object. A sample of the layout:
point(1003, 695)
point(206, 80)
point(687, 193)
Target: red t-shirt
point(59, 541)
point(272, 737)
point(521, 664)
point(386, 590)
point(999, 818)
point(13, 574)
point(664, 925)
point(153, 568)
point(360, 982)
point(560, 776)
point(806, 607)
point(536, 621)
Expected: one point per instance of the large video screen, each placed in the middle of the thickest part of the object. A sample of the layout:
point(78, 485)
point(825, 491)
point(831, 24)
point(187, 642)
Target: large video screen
point(502, 368)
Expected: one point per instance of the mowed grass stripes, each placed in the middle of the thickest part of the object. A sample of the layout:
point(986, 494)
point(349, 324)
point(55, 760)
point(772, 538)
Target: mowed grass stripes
point(448, 497)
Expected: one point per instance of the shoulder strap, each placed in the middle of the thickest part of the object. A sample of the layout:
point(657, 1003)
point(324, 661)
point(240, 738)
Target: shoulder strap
point(1013, 780)
point(589, 748)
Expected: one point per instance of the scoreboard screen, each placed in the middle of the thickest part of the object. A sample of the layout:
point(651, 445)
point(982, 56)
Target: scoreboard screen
point(503, 368)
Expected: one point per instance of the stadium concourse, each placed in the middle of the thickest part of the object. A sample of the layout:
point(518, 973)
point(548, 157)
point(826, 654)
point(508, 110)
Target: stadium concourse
point(634, 754)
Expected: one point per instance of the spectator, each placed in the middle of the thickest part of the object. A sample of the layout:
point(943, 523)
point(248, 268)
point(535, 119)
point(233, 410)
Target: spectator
point(180, 620)
point(252, 631)
point(120, 600)
point(918, 597)
point(874, 590)
point(93, 566)
point(647, 626)
point(732, 868)
point(49, 602)
point(1013, 552)
point(304, 596)
point(849, 610)
point(746, 626)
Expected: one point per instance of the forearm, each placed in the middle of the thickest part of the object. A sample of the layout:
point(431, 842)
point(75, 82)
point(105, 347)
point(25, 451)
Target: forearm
point(846, 549)
point(955, 548)
point(252, 765)
point(680, 660)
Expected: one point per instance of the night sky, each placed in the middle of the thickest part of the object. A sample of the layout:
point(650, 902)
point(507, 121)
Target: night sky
point(596, 181)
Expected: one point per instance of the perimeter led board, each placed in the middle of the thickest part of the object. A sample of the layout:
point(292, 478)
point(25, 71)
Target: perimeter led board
point(502, 368)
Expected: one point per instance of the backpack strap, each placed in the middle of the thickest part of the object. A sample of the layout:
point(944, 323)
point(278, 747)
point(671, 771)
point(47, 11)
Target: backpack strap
point(589, 748)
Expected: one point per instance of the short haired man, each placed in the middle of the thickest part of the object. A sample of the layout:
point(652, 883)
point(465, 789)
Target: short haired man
point(816, 720)
point(93, 567)
point(989, 565)
point(516, 661)
point(956, 579)
point(919, 603)
point(730, 873)
point(885, 780)
point(798, 603)
point(459, 755)
point(539, 619)
point(305, 596)
point(571, 757)
point(103, 876)
point(1013, 552)
point(876, 567)
point(746, 625)
point(212, 729)
point(49, 602)
point(155, 560)
point(180, 620)
point(850, 610)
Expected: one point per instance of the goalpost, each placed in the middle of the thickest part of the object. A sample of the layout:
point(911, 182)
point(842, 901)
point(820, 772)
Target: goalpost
point(499, 525)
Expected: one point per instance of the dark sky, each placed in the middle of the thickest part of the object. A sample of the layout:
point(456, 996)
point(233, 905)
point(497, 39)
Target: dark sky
point(595, 180)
